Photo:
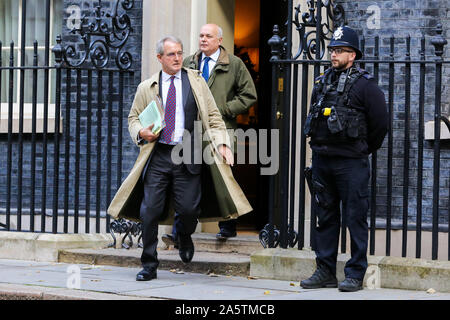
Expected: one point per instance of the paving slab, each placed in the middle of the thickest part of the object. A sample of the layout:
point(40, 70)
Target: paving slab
point(24, 263)
point(281, 285)
point(35, 280)
point(27, 292)
point(207, 292)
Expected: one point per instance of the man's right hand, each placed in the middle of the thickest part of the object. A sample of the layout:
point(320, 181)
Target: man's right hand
point(147, 134)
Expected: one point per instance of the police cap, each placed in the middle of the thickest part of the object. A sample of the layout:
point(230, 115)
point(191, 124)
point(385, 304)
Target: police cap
point(346, 37)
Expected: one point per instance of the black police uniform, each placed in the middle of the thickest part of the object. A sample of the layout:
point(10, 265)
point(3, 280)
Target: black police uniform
point(348, 120)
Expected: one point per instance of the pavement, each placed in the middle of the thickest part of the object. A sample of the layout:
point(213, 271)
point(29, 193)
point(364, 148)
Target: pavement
point(31, 280)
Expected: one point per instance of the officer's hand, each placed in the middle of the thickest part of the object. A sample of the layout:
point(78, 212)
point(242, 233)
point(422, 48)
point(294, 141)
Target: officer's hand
point(226, 154)
point(147, 134)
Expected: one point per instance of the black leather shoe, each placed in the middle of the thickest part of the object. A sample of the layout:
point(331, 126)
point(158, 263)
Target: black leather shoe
point(170, 240)
point(224, 234)
point(146, 275)
point(350, 285)
point(322, 278)
point(186, 249)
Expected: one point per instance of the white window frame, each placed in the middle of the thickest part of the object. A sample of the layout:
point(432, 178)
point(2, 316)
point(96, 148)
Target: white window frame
point(28, 107)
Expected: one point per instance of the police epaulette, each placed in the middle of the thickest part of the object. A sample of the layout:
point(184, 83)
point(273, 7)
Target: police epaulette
point(318, 79)
point(364, 73)
point(322, 76)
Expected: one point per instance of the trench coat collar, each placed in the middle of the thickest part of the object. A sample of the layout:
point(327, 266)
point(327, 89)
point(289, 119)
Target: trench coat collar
point(222, 63)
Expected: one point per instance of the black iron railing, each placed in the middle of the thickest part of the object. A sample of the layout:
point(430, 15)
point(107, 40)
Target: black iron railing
point(75, 163)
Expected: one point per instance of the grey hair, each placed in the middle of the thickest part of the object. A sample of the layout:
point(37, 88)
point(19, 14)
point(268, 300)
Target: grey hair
point(219, 32)
point(160, 43)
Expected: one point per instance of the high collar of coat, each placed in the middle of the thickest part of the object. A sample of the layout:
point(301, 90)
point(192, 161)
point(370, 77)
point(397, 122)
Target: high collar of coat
point(223, 61)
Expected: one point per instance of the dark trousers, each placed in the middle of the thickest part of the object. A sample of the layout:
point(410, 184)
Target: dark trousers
point(228, 226)
point(345, 182)
point(161, 177)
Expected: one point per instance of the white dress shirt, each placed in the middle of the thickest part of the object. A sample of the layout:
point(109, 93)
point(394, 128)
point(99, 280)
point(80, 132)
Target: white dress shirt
point(179, 114)
point(212, 62)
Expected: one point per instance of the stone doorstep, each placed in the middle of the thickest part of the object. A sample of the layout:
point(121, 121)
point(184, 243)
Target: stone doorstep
point(44, 247)
point(384, 272)
point(207, 242)
point(230, 257)
point(203, 262)
point(212, 255)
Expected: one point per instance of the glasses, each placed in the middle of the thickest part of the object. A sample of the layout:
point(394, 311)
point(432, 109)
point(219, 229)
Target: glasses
point(173, 54)
point(338, 50)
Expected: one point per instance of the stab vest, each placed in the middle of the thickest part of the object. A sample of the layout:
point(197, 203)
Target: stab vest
point(331, 118)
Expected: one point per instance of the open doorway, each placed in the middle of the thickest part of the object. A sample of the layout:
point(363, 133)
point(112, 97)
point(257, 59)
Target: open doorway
point(254, 20)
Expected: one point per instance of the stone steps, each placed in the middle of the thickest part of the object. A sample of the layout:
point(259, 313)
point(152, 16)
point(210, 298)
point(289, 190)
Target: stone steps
point(242, 244)
point(230, 257)
point(203, 262)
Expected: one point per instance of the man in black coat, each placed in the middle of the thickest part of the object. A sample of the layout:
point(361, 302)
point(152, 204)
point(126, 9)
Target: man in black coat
point(348, 120)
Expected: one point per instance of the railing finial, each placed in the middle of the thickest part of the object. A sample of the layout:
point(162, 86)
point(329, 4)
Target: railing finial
point(439, 42)
point(275, 43)
point(58, 51)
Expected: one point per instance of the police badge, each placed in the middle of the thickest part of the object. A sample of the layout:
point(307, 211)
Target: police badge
point(338, 33)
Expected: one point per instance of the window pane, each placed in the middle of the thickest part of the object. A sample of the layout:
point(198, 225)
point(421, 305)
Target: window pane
point(37, 22)
point(57, 20)
point(9, 21)
point(28, 92)
point(35, 29)
point(5, 76)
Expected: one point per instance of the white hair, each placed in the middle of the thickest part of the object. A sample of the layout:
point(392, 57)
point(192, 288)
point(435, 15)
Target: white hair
point(219, 32)
point(160, 43)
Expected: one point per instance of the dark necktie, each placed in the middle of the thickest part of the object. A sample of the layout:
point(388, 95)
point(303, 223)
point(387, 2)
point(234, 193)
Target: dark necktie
point(205, 71)
point(169, 115)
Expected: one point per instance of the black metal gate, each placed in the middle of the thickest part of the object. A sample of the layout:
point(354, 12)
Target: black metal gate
point(59, 175)
point(422, 188)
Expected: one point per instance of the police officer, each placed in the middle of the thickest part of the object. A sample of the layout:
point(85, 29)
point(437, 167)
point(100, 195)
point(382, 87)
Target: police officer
point(347, 121)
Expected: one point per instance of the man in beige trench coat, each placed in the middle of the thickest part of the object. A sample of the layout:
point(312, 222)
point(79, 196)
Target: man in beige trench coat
point(144, 195)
